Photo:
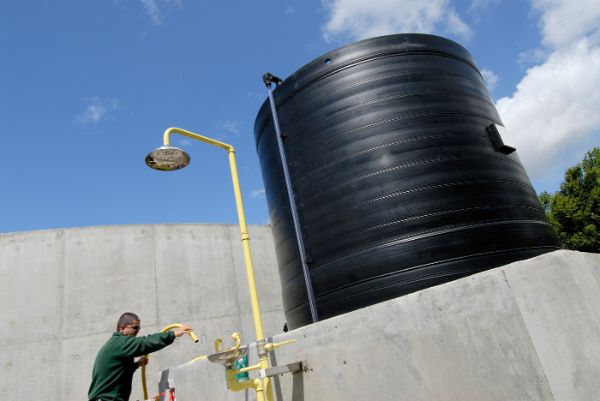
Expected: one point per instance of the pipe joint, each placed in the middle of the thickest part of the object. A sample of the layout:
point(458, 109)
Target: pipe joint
point(261, 349)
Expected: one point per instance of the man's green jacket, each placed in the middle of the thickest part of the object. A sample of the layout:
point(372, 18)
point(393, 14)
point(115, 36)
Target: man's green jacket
point(114, 366)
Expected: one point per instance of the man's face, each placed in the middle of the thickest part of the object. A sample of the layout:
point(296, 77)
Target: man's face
point(131, 329)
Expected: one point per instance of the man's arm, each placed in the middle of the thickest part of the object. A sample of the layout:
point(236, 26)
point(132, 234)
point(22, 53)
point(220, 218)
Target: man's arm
point(138, 346)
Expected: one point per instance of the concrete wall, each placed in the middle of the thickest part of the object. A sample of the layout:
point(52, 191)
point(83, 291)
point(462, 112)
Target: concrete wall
point(63, 290)
point(527, 331)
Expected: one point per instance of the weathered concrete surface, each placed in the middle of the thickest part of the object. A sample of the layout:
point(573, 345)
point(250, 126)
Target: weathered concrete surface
point(526, 331)
point(63, 290)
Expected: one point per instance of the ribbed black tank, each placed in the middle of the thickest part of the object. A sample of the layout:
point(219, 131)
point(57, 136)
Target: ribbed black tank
point(397, 182)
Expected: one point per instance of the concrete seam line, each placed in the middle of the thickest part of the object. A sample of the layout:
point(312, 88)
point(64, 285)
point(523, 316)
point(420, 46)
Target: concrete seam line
point(526, 327)
point(233, 231)
point(156, 303)
point(63, 303)
point(589, 300)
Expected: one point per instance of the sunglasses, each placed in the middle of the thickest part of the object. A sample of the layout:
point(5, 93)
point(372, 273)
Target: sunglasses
point(136, 328)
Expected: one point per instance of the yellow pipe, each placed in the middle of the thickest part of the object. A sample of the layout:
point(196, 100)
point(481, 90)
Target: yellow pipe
point(144, 386)
point(175, 325)
point(246, 246)
point(256, 384)
point(256, 314)
point(143, 372)
point(270, 347)
point(265, 385)
point(198, 358)
point(181, 131)
point(260, 390)
point(248, 369)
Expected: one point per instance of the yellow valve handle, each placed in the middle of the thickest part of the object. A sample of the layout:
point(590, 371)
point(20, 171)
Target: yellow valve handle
point(143, 371)
point(271, 346)
point(219, 343)
point(237, 338)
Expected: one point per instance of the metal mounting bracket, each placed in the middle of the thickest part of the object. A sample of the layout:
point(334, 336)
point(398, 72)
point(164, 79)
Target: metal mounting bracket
point(279, 370)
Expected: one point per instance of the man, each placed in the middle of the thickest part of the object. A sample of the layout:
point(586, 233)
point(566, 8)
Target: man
point(114, 365)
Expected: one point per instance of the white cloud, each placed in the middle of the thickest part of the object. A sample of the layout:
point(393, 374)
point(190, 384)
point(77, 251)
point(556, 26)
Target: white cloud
point(533, 56)
point(154, 12)
point(96, 110)
point(232, 127)
point(362, 19)
point(257, 193)
point(556, 104)
point(554, 111)
point(457, 26)
point(490, 79)
point(566, 21)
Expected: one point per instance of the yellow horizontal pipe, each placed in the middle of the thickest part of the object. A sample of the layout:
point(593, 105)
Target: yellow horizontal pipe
point(198, 358)
point(181, 131)
point(248, 368)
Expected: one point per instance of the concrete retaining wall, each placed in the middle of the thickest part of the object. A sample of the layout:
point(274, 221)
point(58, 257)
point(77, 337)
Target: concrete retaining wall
point(63, 291)
point(526, 331)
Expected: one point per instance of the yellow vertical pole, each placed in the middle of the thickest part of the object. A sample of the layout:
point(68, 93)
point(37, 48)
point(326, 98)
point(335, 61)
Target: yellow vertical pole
point(246, 246)
point(264, 363)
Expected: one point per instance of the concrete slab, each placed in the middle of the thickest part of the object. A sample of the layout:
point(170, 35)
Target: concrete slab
point(461, 341)
point(108, 271)
point(31, 267)
point(560, 303)
point(194, 272)
point(77, 360)
point(31, 371)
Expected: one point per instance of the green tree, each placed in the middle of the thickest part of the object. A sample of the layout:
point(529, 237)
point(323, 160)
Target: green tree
point(574, 211)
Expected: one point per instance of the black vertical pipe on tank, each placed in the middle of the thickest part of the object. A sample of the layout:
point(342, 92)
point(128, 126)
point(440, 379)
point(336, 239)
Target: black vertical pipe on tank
point(399, 183)
point(268, 80)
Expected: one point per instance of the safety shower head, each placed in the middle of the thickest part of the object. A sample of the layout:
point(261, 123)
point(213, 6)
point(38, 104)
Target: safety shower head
point(167, 158)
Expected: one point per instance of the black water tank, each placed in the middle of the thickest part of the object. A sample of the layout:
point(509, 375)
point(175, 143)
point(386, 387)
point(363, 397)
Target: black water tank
point(397, 181)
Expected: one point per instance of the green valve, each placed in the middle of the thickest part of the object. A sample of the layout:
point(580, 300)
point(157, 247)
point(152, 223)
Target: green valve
point(240, 363)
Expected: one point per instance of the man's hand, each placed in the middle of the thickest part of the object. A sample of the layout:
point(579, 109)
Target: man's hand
point(179, 331)
point(143, 361)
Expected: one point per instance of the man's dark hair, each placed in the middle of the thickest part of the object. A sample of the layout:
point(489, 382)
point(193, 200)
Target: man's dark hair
point(126, 318)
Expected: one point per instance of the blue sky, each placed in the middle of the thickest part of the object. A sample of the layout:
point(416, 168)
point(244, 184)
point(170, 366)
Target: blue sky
point(88, 87)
